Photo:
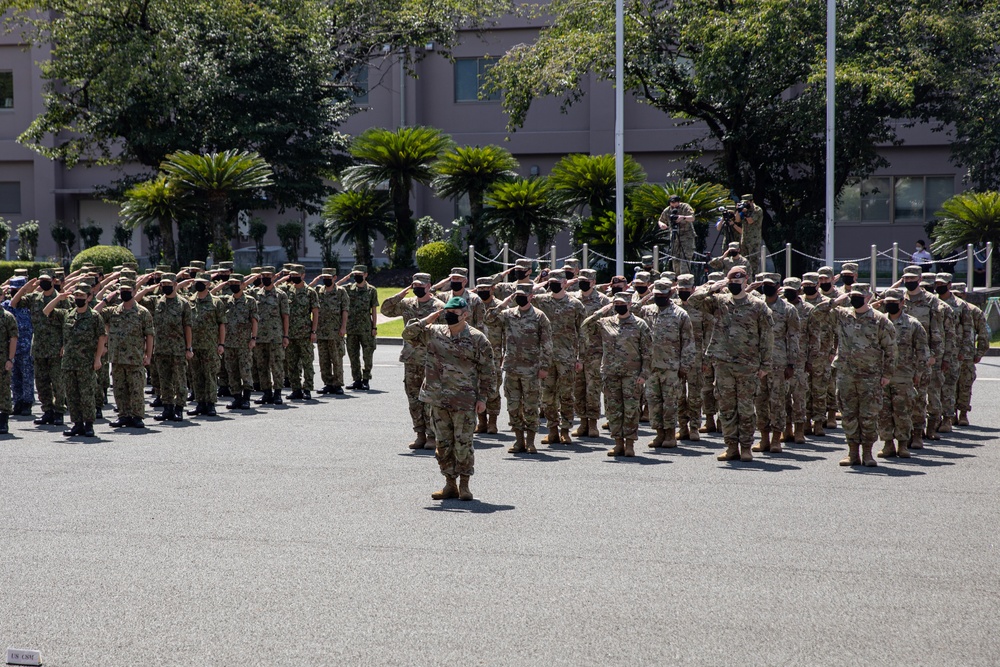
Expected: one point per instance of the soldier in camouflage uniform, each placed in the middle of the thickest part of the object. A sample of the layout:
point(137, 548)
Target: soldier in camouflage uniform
point(936, 385)
point(587, 392)
point(272, 337)
point(896, 419)
point(796, 404)
point(626, 363)
point(23, 375)
point(729, 259)
point(208, 338)
point(773, 392)
point(672, 360)
point(679, 218)
point(866, 363)
point(458, 377)
point(692, 386)
point(362, 326)
point(333, 307)
point(527, 334)
point(413, 354)
point(818, 365)
point(520, 272)
point(709, 397)
point(46, 343)
point(752, 235)
point(303, 325)
point(83, 346)
point(566, 315)
point(962, 349)
point(172, 343)
point(741, 346)
point(129, 329)
point(458, 283)
point(8, 343)
point(488, 421)
point(979, 346)
point(241, 338)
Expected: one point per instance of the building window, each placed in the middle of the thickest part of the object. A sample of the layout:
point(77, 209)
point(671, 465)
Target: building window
point(360, 82)
point(470, 80)
point(6, 90)
point(10, 197)
point(894, 199)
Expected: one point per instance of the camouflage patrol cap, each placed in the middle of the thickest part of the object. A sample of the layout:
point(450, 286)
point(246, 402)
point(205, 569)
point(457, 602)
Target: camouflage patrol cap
point(825, 271)
point(913, 270)
point(128, 273)
point(329, 271)
point(958, 287)
point(459, 272)
point(161, 268)
point(484, 282)
point(588, 274)
point(623, 297)
point(747, 197)
point(21, 273)
point(669, 275)
point(168, 278)
point(733, 245)
point(558, 274)
point(861, 288)
point(685, 280)
point(422, 278)
point(297, 269)
point(642, 277)
point(256, 269)
point(126, 284)
point(647, 259)
point(661, 287)
point(225, 266)
point(523, 264)
point(82, 289)
point(571, 263)
point(715, 276)
point(792, 283)
point(359, 268)
point(267, 269)
point(927, 278)
point(456, 302)
point(196, 264)
point(60, 273)
point(116, 267)
point(892, 294)
point(810, 278)
point(525, 289)
point(944, 277)
point(772, 278)
point(235, 278)
point(849, 268)
point(45, 275)
point(203, 276)
point(131, 265)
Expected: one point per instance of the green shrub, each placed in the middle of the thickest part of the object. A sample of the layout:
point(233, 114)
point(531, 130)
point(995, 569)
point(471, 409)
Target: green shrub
point(27, 239)
point(438, 258)
point(105, 256)
point(91, 235)
point(34, 268)
point(289, 234)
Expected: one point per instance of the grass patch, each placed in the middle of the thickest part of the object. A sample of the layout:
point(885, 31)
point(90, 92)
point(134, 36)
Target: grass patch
point(392, 328)
point(995, 339)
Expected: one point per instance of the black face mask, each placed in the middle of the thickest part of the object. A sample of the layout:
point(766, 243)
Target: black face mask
point(769, 290)
point(154, 281)
point(450, 318)
point(621, 308)
point(200, 287)
point(359, 278)
point(485, 294)
point(295, 280)
point(265, 281)
point(685, 295)
point(892, 308)
point(735, 288)
point(941, 289)
point(791, 295)
point(826, 287)
point(520, 274)
point(848, 280)
point(126, 296)
point(80, 303)
point(615, 289)
point(661, 300)
point(857, 301)
point(810, 290)
point(521, 300)
point(456, 285)
point(168, 289)
point(46, 285)
point(327, 282)
point(235, 289)
point(420, 292)
point(584, 285)
point(641, 289)
point(555, 287)
point(911, 286)
point(257, 282)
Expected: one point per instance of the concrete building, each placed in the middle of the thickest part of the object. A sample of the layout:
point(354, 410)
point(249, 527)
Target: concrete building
point(892, 205)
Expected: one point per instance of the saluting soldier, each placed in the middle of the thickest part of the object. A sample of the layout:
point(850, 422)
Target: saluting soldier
point(488, 421)
point(458, 283)
point(921, 305)
point(818, 364)
point(691, 387)
point(172, 343)
point(709, 397)
point(46, 344)
point(129, 328)
point(272, 338)
point(362, 327)
point(303, 327)
point(980, 346)
point(963, 347)
point(771, 396)
point(587, 394)
point(809, 343)
point(241, 338)
point(208, 340)
point(334, 305)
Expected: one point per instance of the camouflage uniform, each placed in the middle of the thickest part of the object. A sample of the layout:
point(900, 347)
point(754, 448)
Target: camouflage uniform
point(477, 317)
point(692, 388)
point(413, 355)
point(496, 339)
point(810, 332)
point(773, 392)
point(925, 308)
point(46, 342)
point(587, 393)
point(302, 301)
point(360, 340)
point(820, 360)
point(333, 303)
point(566, 315)
point(963, 348)
point(967, 376)
point(8, 332)
point(171, 316)
point(831, 386)
point(673, 353)
point(206, 317)
point(502, 290)
point(127, 330)
point(458, 374)
point(81, 334)
point(898, 397)
point(725, 263)
point(709, 396)
point(682, 245)
point(752, 237)
point(241, 312)
point(22, 381)
point(272, 307)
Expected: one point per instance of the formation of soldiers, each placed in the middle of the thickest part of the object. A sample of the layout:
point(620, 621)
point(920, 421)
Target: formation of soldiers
point(194, 336)
point(767, 362)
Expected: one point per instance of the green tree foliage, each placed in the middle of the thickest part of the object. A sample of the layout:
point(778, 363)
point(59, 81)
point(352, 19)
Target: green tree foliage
point(588, 182)
point(155, 203)
point(257, 231)
point(289, 235)
point(519, 208)
point(358, 217)
point(64, 238)
point(399, 158)
point(91, 235)
point(4, 233)
point(438, 257)
point(27, 239)
point(122, 236)
point(969, 217)
point(105, 256)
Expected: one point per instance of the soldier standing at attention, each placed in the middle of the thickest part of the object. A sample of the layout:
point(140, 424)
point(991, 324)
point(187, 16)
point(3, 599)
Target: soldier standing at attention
point(741, 346)
point(46, 344)
point(526, 362)
point(457, 380)
point(129, 328)
point(22, 381)
point(709, 398)
point(208, 338)
point(672, 360)
point(83, 346)
point(566, 315)
point(333, 307)
point(679, 218)
point(587, 393)
point(488, 422)
point(809, 340)
point(691, 386)
point(818, 365)
point(413, 354)
point(770, 402)
point(8, 343)
point(241, 339)
point(626, 346)
point(362, 327)
point(963, 348)
point(866, 363)
point(896, 418)
point(980, 346)
point(921, 305)
point(272, 337)
point(172, 342)
point(303, 327)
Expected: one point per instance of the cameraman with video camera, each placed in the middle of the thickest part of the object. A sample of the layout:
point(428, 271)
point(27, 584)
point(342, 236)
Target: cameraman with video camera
point(749, 218)
point(678, 217)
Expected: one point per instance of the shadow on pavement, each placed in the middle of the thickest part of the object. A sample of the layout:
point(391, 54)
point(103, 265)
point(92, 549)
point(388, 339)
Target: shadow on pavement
point(540, 456)
point(577, 447)
point(468, 507)
point(940, 453)
point(786, 455)
point(417, 452)
point(636, 460)
point(920, 462)
point(757, 465)
point(885, 471)
point(680, 451)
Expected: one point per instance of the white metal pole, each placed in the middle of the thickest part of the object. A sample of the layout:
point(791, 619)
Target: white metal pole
point(506, 256)
point(969, 258)
point(472, 265)
point(831, 61)
point(895, 262)
point(552, 258)
point(620, 137)
point(989, 266)
point(763, 261)
point(788, 260)
point(874, 264)
point(656, 258)
point(586, 255)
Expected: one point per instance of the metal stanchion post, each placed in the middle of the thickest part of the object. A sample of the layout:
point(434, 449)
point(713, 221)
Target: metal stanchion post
point(969, 264)
point(989, 265)
point(506, 256)
point(763, 261)
point(895, 262)
point(552, 258)
point(874, 266)
point(788, 260)
point(472, 265)
point(656, 258)
point(586, 255)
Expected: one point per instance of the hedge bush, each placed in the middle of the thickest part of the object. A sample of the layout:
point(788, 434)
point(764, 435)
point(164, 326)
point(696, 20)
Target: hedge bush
point(438, 258)
point(104, 256)
point(34, 268)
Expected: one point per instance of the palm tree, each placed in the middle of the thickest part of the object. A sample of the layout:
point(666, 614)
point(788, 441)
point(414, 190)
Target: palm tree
point(648, 201)
point(157, 202)
point(518, 208)
point(214, 178)
point(397, 159)
point(589, 181)
point(471, 171)
point(969, 217)
point(358, 216)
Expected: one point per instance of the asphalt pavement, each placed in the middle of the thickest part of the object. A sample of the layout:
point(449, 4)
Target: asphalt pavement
point(305, 535)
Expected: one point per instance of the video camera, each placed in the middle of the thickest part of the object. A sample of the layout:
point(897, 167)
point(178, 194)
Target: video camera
point(745, 209)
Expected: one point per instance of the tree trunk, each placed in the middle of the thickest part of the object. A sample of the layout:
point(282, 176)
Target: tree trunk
point(167, 242)
point(405, 238)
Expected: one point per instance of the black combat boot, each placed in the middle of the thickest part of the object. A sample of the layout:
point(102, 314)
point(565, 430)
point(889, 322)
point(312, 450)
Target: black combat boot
point(77, 429)
point(177, 415)
point(45, 418)
point(306, 395)
point(88, 430)
point(209, 410)
point(296, 395)
point(121, 422)
point(168, 411)
point(157, 403)
point(337, 389)
point(266, 398)
point(224, 391)
point(57, 418)
point(276, 399)
point(4, 424)
point(245, 402)
point(198, 410)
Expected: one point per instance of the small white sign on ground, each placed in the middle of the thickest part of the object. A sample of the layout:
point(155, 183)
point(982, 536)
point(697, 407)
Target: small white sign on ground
point(23, 656)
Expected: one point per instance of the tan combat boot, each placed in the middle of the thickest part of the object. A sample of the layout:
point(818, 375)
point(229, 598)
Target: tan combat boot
point(800, 433)
point(529, 442)
point(901, 450)
point(463, 488)
point(552, 437)
point(431, 443)
point(917, 441)
point(866, 456)
point(765, 441)
point(709, 426)
point(775, 444)
point(582, 429)
point(592, 431)
point(853, 458)
point(481, 423)
point(945, 426)
point(449, 490)
point(808, 427)
point(888, 450)
point(932, 428)
point(564, 436)
point(661, 435)
point(745, 454)
point(419, 441)
point(606, 426)
point(963, 418)
point(630, 447)
point(831, 419)
point(518, 443)
point(618, 449)
point(491, 424)
point(670, 441)
point(694, 433)
point(731, 454)
point(818, 428)
point(787, 434)
point(684, 432)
